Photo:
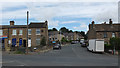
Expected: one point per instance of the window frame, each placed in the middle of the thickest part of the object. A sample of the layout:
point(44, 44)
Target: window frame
point(113, 33)
point(1, 32)
point(20, 32)
point(13, 32)
point(37, 31)
point(37, 42)
point(29, 30)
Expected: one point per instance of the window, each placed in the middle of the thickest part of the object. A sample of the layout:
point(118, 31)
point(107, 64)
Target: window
point(37, 31)
point(113, 34)
point(105, 35)
point(38, 41)
point(1, 32)
point(29, 31)
point(14, 32)
point(20, 32)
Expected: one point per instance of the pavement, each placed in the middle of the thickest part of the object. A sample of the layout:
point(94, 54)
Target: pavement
point(69, 55)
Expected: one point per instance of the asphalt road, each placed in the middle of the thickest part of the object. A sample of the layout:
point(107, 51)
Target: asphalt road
point(70, 55)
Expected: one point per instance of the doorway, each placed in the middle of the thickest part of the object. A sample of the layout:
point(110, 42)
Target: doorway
point(24, 43)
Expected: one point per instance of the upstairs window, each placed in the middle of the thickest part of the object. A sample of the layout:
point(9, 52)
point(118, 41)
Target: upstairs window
point(113, 34)
point(105, 35)
point(37, 31)
point(29, 31)
point(20, 32)
point(14, 32)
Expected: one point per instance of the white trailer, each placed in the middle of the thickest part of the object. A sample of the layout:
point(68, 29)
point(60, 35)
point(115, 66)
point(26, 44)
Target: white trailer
point(96, 45)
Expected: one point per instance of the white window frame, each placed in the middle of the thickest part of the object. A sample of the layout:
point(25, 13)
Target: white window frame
point(37, 40)
point(13, 32)
point(37, 30)
point(20, 32)
point(1, 32)
point(113, 34)
point(30, 31)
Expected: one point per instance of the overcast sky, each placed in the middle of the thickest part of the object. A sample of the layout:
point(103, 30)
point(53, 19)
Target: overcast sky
point(65, 13)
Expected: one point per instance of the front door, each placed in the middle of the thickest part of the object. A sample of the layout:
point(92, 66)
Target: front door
point(24, 43)
point(13, 42)
point(20, 41)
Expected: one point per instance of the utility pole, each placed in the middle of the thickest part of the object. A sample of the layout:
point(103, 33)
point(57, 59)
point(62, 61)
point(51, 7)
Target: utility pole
point(27, 32)
point(60, 37)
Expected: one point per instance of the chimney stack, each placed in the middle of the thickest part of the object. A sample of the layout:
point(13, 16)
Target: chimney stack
point(93, 22)
point(12, 23)
point(110, 21)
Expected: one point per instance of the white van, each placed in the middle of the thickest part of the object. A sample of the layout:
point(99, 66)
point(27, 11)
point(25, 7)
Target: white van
point(96, 45)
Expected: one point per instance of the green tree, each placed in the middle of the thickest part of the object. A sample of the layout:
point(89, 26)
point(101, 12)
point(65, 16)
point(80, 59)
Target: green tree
point(64, 30)
point(63, 40)
point(54, 29)
point(43, 41)
point(115, 42)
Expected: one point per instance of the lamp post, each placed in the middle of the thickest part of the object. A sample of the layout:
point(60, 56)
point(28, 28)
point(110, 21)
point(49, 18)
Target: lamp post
point(27, 32)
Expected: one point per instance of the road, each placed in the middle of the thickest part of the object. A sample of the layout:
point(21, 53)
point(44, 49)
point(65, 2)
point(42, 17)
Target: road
point(70, 55)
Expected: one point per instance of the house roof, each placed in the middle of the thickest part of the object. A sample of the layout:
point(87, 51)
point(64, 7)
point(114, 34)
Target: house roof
point(31, 25)
point(107, 27)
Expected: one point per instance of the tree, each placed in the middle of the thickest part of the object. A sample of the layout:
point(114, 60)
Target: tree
point(115, 42)
point(63, 40)
point(70, 31)
point(54, 29)
point(43, 41)
point(64, 30)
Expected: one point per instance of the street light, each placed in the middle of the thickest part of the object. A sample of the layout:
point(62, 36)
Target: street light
point(27, 32)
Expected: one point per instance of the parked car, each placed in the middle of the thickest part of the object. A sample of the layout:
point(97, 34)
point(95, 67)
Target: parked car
point(83, 45)
point(57, 46)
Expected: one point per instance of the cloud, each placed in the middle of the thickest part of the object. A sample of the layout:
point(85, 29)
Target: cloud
point(59, 0)
point(67, 22)
point(82, 26)
point(41, 11)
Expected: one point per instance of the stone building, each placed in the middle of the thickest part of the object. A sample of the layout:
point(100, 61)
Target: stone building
point(55, 36)
point(73, 36)
point(103, 31)
point(16, 35)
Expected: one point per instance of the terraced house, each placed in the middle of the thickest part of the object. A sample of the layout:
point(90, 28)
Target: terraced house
point(16, 35)
point(104, 31)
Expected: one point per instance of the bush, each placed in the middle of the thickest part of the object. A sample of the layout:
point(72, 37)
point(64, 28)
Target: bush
point(19, 52)
point(115, 42)
point(43, 41)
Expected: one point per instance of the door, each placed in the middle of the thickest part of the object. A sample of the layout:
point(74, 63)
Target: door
point(13, 42)
point(20, 41)
point(24, 43)
point(29, 42)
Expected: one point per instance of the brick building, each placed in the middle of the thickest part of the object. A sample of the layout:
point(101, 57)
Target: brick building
point(103, 31)
point(16, 35)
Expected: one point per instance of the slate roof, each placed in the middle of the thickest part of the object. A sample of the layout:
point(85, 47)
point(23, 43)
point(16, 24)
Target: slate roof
point(31, 25)
point(107, 27)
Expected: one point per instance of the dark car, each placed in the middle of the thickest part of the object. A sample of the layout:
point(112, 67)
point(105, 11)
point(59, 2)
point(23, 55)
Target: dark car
point(57, 46)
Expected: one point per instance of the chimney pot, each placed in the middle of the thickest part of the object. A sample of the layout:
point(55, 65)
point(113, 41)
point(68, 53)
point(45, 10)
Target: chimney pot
point(110, 21)
point(12, 23)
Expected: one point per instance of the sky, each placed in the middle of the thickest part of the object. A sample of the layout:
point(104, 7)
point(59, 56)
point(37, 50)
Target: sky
point(75, 15)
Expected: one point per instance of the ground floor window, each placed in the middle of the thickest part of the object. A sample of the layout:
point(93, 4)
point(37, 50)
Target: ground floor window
point(38, 41)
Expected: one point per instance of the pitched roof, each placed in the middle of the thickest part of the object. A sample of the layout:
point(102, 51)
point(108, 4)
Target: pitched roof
point(107, 27)
point(37, 25)
point(31, 25)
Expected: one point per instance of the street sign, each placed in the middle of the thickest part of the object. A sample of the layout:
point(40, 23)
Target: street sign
point(53, 41)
